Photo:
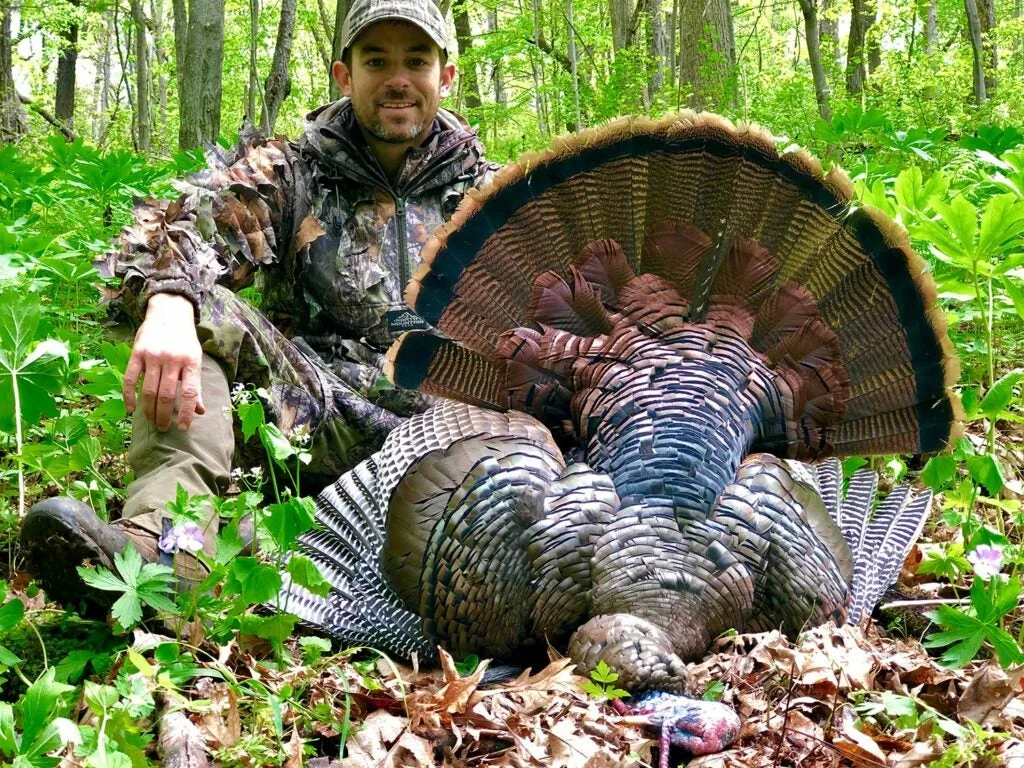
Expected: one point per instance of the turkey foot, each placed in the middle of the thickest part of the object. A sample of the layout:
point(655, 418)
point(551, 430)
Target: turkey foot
point(699, 727)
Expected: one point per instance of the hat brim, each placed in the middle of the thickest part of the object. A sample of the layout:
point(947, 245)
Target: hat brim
point(367, 23)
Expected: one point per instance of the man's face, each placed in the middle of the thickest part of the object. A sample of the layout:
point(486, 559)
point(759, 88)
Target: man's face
point(395, 78)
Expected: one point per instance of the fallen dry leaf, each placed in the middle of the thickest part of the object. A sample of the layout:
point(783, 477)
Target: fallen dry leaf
point(988, 694)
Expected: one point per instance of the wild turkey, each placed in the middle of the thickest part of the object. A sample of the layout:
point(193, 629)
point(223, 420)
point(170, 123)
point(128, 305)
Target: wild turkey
point(645, 327)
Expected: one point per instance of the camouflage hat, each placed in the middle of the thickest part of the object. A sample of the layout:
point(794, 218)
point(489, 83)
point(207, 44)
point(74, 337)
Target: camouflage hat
point(423, 13)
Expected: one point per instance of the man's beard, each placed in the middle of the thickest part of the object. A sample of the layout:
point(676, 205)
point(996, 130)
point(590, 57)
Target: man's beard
point(379, 128)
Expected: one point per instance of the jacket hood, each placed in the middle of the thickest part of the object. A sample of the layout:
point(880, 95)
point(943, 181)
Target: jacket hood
point(332, 138)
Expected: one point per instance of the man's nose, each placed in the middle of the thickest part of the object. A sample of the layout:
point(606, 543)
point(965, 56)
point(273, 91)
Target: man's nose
point(398, 78)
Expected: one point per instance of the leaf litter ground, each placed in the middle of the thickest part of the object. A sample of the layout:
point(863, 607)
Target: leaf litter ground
point(797, 701)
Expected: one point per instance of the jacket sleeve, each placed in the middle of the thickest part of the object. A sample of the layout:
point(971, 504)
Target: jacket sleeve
point(244, 211)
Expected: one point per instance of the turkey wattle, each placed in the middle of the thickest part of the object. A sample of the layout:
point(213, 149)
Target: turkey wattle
point(645, 327)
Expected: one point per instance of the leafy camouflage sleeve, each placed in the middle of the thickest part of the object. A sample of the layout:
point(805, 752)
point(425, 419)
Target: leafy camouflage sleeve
point(242, 212)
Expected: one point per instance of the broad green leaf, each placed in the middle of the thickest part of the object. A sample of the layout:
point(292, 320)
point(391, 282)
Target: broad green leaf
point(305, 573)
point(939, 472)
point(255, 581)
point(99, 577)
point(11, 613)
point(38, 374)
point(251, 415)
point(275, 442)
point(1001, 224)
point(1015, 290)
point(985, 470)
point(8, 659)
point(8, 739)
point(100, 697)
point(960, 226)
point(39, 705)
point(1007, 651)
point(971, 400)
point(127, 610)
point(286, 521)
point(1001, 394)
point(276, 628)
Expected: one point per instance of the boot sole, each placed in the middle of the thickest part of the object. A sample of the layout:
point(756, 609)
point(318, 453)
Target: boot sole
point(52, 550)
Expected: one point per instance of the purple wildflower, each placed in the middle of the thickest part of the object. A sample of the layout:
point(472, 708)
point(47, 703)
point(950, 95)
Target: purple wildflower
point(186, 537)
point(986, 559)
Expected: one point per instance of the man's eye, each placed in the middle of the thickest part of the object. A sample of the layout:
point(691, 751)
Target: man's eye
point(417, 63)
point(375, 62)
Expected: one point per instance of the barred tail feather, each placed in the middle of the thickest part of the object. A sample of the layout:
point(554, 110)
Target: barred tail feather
point(880, 541)
point(360, 609)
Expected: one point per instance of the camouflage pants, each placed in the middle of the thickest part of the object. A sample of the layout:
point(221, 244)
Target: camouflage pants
point(241, 346)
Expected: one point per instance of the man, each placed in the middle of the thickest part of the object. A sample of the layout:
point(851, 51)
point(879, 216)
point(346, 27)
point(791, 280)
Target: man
point(330, 228)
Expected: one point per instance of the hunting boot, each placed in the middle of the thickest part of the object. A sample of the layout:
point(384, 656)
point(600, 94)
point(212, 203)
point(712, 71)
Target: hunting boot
point(61, 533)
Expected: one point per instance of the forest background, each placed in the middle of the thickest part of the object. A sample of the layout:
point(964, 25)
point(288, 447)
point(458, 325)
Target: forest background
point(103, 101)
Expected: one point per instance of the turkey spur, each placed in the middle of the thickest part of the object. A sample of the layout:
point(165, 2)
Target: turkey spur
point(648, 329)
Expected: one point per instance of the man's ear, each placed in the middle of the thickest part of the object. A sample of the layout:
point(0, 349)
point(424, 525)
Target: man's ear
point(447, 75)
point(343, 77)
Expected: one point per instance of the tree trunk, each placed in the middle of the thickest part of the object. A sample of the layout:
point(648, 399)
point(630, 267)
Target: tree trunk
point(538, 79)
point(13, 122)
point(253, 89)
point(974, 33)
point(656, 46)
point(811, 29)
point(160, 54)
point(179, 14)
point(828, 31)
point(340, 12)
point(64, 100)
point(573, 66)
point(142, 84)
point(467, 67)
point(987, 17)
point(707, 54)
point(931, 26)
point(103, 100)
point(278, 84)
point(497, 71)
point(204, 67)
point(673, 35)
point(861, 19)
point(621, 12)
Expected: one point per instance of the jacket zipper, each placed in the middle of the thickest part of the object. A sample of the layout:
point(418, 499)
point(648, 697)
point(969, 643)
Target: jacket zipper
point(403, 243)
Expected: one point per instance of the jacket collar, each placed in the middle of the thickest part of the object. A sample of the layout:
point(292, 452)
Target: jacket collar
point(333, 139)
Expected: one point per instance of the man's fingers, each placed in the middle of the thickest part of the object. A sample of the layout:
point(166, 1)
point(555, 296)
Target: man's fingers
point(151, 389)
point(167, 394)
point(191, 397)
point(131, 378)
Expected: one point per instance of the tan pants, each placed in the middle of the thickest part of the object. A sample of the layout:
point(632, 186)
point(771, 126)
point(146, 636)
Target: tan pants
point(199, 459)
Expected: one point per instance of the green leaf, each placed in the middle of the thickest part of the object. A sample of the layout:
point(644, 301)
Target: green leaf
point(1015, 292)
point(602, 673)
point(252, 417)
point(127, 610)
point(1001, 224)
point(38, 370)
point(276, 628)
point(11, 614)
point(986, 471)
point(305, 573)
point(7, 658)
point(277, 445)
point(254, 581)
point(939, 472)
point(100, 697)
point(286, 521)
point(39, 705)
point(1008, 653)
point(1001, 394)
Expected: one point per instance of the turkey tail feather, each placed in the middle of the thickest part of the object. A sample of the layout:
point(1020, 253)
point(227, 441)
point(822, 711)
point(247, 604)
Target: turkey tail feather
point(718, 228)
point(879, 539)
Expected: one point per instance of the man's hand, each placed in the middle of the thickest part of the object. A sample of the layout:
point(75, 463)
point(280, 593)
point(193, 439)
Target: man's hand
point(167, 354)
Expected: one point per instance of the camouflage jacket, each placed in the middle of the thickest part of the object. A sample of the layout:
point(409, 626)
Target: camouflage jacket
point(329, 238)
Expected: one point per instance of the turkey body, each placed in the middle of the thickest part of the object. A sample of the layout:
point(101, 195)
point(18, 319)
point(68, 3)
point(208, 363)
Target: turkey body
point(646, 329)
